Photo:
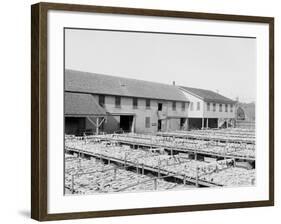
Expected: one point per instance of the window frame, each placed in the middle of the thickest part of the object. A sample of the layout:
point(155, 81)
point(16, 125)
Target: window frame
point(102, 104)
point(214, 107)
point(220, 107)
point(183, 106)
point(135, 102)
point(174, 105)
point(191, 106)
point(147, 122)
point(117, 105)
point(208, 106)
point(147, 106)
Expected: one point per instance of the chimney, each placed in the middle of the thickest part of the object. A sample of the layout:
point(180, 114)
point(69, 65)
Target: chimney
point(174, 83)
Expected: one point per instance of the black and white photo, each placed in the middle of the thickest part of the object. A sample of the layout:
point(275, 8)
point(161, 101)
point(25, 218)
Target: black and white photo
point(148, 111)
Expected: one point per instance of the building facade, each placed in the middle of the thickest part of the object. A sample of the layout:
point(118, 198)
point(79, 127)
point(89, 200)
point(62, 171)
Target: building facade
point(208, 109)
point(97, 103)
point(129, 105)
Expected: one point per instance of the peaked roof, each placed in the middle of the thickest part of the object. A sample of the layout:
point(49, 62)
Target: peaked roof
point(79, 104)
point(77, 81)
point(207, 95)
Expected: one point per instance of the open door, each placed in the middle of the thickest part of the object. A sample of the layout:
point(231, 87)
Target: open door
point(126, 122)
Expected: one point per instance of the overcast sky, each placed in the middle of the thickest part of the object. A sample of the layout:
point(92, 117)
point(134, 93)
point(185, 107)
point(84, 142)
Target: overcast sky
point(223, 64)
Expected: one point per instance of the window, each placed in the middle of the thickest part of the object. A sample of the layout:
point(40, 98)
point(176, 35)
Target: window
point(208, 106)
point(174, 105)
point(191, 105)
point(214, 107)
point(160, 106)
point(117, 101)
point(231, 107)
point(147, 122)
point(220, 107)
point(226, 107)
point(147, 103)
point(135, 103)
point(101, 100)
point(183, 106)
point(198, 105)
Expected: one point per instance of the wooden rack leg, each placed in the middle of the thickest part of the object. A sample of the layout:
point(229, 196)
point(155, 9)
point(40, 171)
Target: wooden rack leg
point(197, 185)
point(115, 173)
point(72, 184)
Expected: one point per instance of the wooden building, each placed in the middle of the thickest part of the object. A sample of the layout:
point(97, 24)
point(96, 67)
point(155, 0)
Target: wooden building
point(208, 109)
point(101, 103)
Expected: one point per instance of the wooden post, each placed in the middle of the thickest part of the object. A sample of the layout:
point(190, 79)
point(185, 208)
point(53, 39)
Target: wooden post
point(85, 139)
point(172, 152)
point(158, 167)
point(97, 126)
point(226, 123)
point(197, 184)
point(202, 123)
point(186, 124)
point(184, 179)
point(133, 124)
point(207, 124)
point(115, 173)
point(125, 161)
point(195, 156)
point(155, 184)
point(79, 162)
point(72, 184)
point(142, 169)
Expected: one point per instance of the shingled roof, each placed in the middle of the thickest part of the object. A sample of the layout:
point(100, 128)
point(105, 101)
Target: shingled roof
point(80, 104)
point(207, 95)
point(77, 81)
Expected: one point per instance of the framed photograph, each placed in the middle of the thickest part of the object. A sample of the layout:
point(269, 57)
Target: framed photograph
point(142, 111)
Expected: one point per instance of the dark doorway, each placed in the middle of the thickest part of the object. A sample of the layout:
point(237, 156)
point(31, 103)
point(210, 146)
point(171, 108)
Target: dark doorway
point(213, 123)
point(182, 123)
point(126, 123)
point(74, 125)
point(195, 123)
point(159, 127)
point(160, 105)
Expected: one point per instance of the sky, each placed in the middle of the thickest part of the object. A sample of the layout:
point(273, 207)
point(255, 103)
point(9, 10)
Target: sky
point(223, 64)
